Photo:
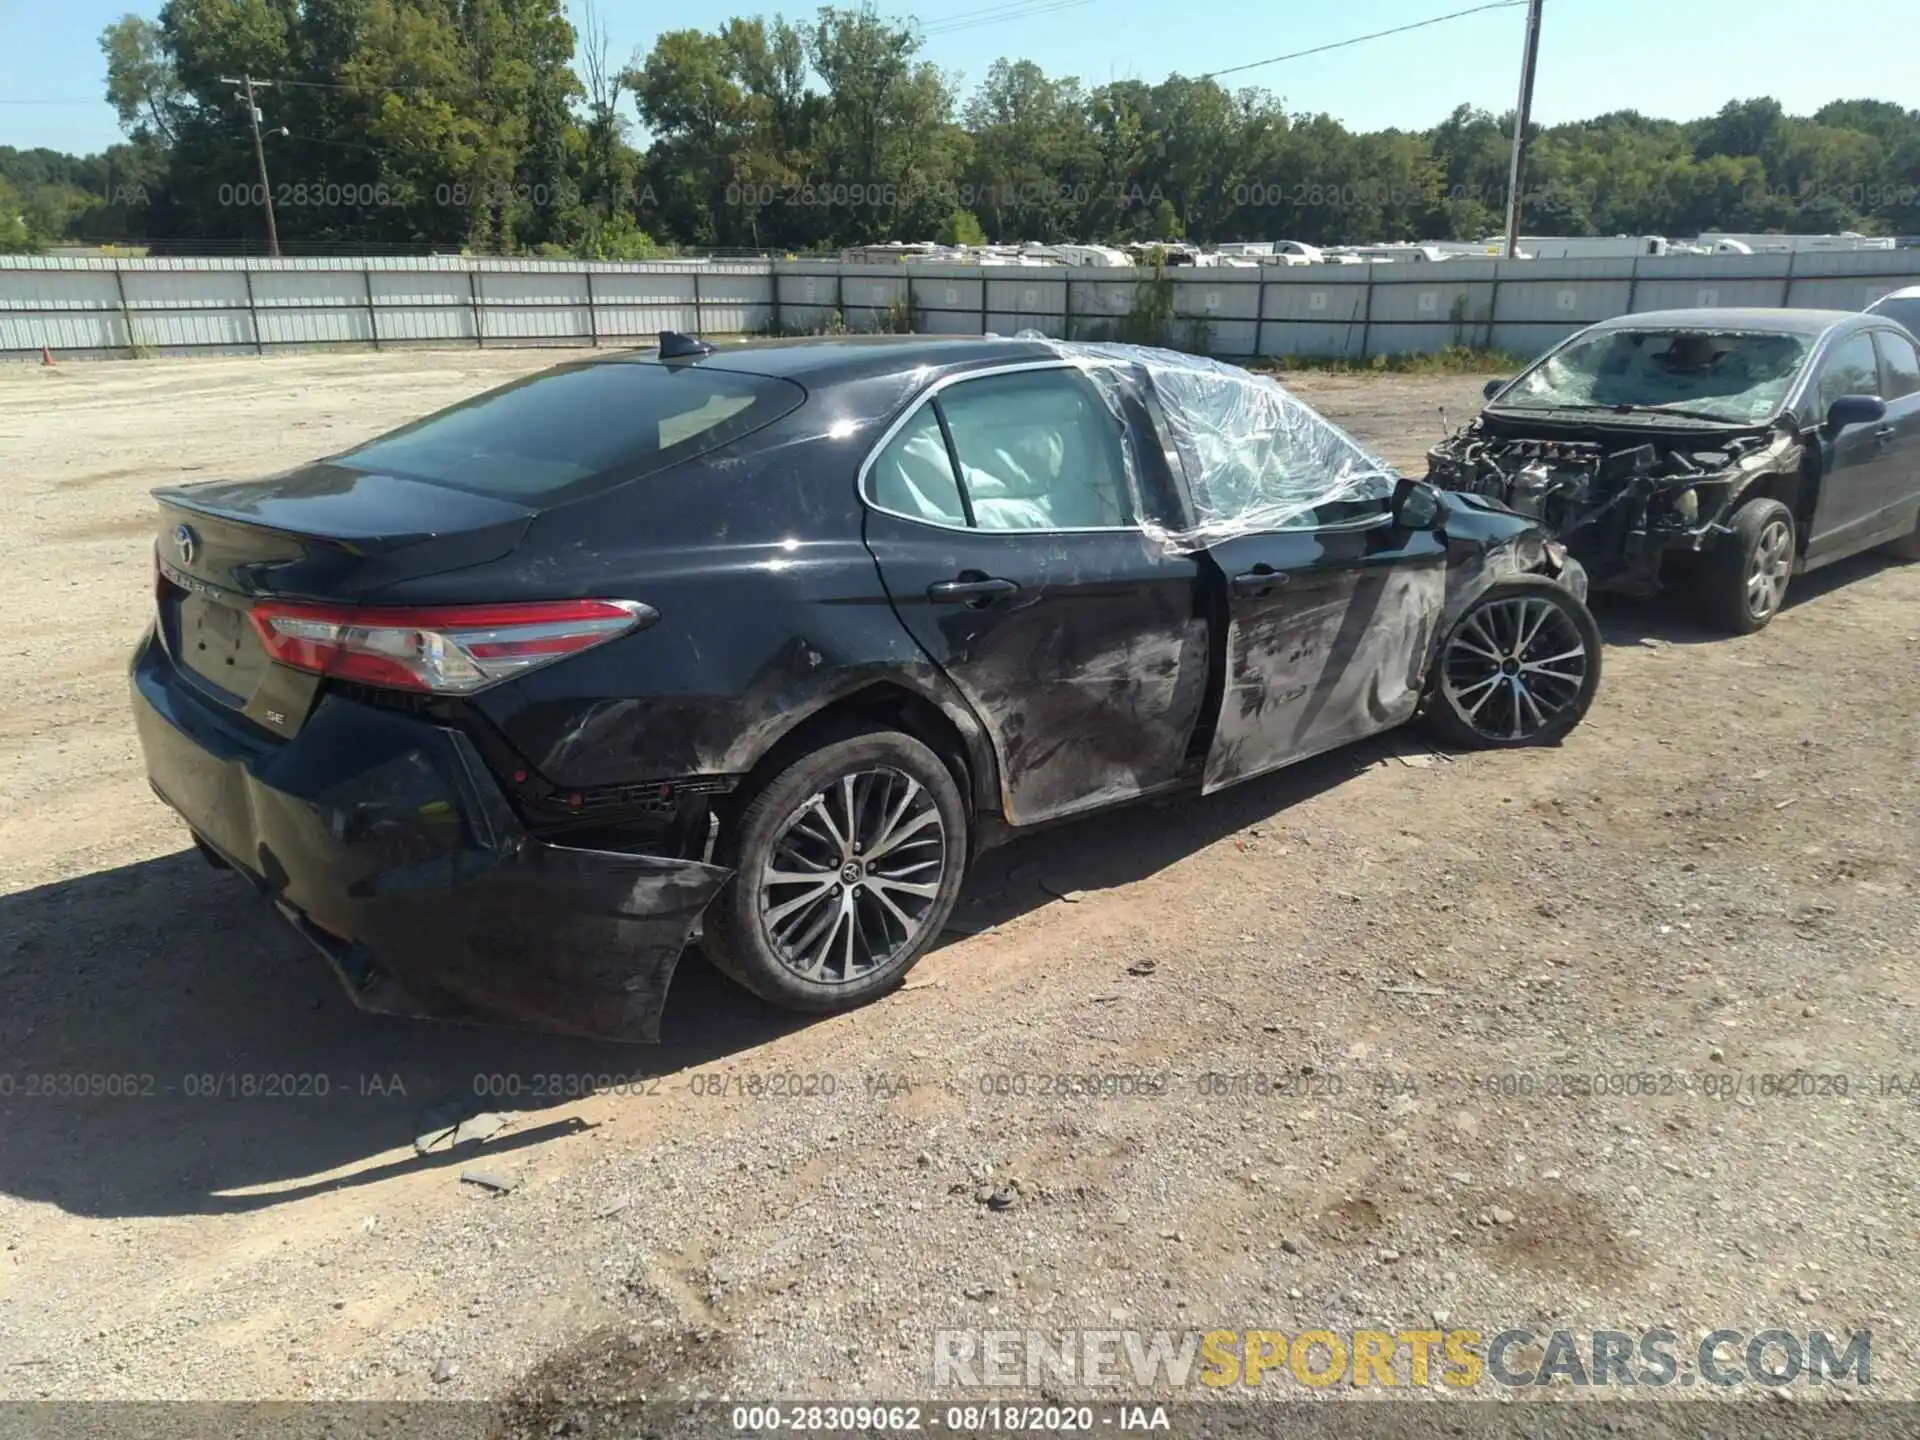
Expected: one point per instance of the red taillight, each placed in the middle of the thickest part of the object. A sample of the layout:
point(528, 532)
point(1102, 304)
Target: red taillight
point(441, 649)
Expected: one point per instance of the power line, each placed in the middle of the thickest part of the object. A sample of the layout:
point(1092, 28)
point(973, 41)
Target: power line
point(967, 14)
point(347, 144)
point(994, 14)
point(1024, 12)
point(1360, 39)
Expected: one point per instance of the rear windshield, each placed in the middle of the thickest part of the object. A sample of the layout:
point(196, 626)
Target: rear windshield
point(551, 434)
point(1715, 375)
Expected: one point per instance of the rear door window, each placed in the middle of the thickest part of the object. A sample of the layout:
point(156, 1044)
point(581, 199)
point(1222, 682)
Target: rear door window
point(913, 475)
point(554, 435)
point(1038, 450)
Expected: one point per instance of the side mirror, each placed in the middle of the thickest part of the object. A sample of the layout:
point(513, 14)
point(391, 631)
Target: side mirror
point(1495, 386)
point(1855, 410)
point(1416, 505)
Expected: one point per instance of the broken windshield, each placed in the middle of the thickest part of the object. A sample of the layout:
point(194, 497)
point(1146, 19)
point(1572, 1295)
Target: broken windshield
point(1739, 378)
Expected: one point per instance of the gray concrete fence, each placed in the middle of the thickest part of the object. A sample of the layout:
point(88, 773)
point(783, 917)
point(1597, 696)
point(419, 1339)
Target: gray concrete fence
point(79, 308)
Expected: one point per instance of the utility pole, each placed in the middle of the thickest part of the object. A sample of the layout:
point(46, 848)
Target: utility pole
point(1520, 118)
point(260, 152)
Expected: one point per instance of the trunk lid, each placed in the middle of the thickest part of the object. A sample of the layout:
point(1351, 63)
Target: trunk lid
point(322, 532)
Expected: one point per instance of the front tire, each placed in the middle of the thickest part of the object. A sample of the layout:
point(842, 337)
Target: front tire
point(847, 863)
point(1519, 668)
point(1743, 579)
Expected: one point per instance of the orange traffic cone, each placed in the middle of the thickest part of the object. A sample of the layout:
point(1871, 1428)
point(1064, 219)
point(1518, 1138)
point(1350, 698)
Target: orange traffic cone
point(46, 358)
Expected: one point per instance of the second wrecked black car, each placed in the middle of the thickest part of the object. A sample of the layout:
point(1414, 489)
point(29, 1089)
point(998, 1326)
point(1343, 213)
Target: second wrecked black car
point(1721, 450)
point(496, 708)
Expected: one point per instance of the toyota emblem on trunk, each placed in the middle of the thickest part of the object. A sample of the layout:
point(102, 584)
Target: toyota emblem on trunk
point(183, 542)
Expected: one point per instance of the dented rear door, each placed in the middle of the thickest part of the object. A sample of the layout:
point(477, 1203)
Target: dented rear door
point(1080, 642)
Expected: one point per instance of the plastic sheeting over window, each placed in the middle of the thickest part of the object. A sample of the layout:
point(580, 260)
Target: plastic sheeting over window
point(1255, 457)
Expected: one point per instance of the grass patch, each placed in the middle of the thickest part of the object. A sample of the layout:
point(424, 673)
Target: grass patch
point(833, 323)
point(1454, 360)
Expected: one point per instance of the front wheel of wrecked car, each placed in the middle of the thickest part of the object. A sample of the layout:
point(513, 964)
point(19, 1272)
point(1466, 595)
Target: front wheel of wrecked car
point(1743, 578)
point(1519, 668)
point(846, 864)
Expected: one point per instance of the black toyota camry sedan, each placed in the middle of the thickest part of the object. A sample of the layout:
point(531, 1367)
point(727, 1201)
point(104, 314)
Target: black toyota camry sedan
point(771, 639)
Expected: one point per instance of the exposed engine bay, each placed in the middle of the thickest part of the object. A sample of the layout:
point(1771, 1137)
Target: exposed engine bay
point(1618, 500)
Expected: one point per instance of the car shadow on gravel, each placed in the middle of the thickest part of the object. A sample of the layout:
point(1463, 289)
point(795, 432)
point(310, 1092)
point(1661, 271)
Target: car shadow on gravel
point(171, 1047)
point(1671, 618)
point(1057, 864)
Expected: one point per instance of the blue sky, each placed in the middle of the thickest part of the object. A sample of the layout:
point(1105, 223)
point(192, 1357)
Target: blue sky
point(1676, 58)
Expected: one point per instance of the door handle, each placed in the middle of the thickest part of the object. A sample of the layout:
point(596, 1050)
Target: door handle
point(1260, 580)
point(1885, 434)
point(970, 588)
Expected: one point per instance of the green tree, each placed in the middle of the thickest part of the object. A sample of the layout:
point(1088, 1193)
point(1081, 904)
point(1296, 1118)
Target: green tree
point(1034, 161)
point(961, 227)
point(688, 97)
point(141, 85)
point(606, 162)
point(464, 122)
point(15, 237)
point(887, 142)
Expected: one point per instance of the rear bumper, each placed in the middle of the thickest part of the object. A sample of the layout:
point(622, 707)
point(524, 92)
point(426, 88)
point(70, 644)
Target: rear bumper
point(385, 841)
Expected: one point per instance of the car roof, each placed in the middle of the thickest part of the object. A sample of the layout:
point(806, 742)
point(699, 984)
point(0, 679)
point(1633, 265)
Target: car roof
point(826, 360)
point(1908, 292)
point(1776, 321)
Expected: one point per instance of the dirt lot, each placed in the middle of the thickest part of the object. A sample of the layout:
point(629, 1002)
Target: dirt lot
point(1713, 877)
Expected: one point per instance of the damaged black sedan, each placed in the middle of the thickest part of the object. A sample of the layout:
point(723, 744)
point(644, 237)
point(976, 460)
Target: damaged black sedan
point(1723, 451)
point(772, 639)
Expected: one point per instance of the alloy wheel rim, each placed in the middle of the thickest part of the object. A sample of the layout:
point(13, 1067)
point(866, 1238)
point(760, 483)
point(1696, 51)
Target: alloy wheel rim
point(1770, 569)
point(1514, 666)
point(853, 875)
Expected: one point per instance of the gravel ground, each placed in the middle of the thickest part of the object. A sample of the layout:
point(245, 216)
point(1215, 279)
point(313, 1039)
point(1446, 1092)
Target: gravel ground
point(1287, 1014)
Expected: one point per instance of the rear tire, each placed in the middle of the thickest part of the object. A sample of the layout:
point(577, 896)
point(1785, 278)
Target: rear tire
point(1520, 667)
point(1744, 578)
point(847, 862)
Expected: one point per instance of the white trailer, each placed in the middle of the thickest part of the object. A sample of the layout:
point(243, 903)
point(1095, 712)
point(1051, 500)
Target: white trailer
point(1798, 244)
point(1406, 252)
point(1099, 255)
point(1582, 247)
